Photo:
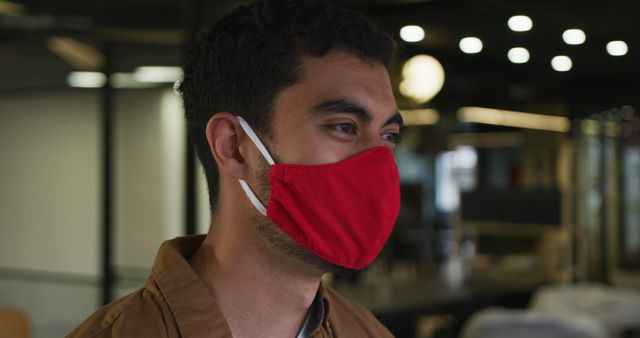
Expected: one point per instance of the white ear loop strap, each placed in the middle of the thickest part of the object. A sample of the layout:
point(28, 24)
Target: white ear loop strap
point(263, 150)
point(253, 198)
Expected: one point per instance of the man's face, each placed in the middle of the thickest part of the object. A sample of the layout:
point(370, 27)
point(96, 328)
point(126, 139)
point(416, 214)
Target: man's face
point(342, 106)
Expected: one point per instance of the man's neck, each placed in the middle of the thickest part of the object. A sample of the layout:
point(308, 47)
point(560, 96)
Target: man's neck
point(260, 291)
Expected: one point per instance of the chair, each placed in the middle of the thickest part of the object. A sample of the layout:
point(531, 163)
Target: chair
point(14, 324)
point(618, 309)
point(510, 323)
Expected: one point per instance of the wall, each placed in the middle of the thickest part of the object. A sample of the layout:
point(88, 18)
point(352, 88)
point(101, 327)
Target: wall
point(50, 193)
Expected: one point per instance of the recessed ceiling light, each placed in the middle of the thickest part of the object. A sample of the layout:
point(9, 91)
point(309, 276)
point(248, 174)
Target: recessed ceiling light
point(518, 55)
point(561, 63)
point(574, 36)
point(617, 48)
point(520, 23)
point(471, 45)
point(412, 33)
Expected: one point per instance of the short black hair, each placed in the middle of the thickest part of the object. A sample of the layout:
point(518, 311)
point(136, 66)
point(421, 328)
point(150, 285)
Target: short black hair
point(241, 63)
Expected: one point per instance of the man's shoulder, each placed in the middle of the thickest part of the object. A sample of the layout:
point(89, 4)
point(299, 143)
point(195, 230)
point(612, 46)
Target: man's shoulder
point(347, 316)
point(138, 314)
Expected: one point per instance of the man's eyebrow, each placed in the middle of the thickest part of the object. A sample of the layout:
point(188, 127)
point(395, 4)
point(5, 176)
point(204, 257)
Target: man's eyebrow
point(345, 106)
point(396, 118)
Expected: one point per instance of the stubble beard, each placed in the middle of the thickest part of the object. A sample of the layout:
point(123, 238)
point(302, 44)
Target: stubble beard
point(281, 241)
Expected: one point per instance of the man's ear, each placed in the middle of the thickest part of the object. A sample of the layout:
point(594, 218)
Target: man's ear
point(222, 133)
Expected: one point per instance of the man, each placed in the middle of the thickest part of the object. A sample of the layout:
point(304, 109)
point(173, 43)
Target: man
point(291, 110)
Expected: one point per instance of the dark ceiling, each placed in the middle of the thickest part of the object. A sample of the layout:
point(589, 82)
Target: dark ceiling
point(144, 32)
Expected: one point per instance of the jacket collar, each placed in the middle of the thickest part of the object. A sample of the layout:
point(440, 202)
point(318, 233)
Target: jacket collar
point(193, 308)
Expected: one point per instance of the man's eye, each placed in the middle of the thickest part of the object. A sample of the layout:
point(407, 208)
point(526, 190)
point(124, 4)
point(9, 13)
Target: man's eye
point(392, 137)
point(347, 128)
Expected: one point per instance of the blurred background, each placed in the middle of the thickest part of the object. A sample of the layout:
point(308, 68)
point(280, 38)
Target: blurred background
point(520, 164)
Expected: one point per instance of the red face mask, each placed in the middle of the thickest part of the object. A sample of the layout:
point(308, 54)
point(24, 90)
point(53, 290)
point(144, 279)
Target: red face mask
point(342, 212)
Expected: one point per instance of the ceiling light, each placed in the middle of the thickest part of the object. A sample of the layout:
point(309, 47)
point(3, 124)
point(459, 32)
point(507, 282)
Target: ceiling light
point(520, 23)
point(617, 48)
point(158, 74)
point(471, 45)
point(514, 119)
point(518, 55)
point(420, 117)
point(86, 79)
point(412, 33)
point(574, 37)
point(78, 54)
point(128, 81)
point(561, 63)
point(11, 8)
point(423, 78)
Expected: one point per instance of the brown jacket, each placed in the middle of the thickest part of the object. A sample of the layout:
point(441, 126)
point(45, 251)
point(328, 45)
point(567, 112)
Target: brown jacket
point(175, 303)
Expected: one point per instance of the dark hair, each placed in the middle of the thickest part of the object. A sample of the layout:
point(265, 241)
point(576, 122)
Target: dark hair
point(242, 63)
